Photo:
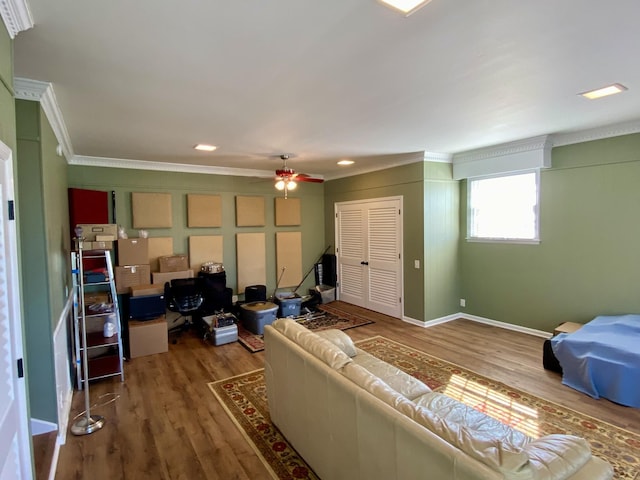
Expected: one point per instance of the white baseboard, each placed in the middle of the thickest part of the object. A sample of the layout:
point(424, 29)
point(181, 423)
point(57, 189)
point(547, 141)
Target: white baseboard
point(475, 318)
point(38, 427)
point(507, 326)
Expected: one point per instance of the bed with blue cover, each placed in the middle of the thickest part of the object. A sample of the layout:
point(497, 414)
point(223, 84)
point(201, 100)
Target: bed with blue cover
point(602, 359)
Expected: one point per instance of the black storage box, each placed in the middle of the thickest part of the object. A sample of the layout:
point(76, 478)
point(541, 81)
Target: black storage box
point(146, 307)
point(549, 360)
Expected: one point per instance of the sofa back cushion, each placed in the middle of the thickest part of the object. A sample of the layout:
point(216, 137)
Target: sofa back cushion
point(377, 387)
point(478, 435)
point(319, 347)
point(340, 340)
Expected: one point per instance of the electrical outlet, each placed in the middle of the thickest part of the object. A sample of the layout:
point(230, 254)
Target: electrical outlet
point(416, 264)
point(463, 302)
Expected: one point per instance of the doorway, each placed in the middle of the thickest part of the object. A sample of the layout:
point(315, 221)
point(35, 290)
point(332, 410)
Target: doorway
point(15, 441)
point(369, 254)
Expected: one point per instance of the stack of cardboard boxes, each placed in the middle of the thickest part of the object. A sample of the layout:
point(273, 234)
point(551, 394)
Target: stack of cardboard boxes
point(133, 264)
point(99, 236)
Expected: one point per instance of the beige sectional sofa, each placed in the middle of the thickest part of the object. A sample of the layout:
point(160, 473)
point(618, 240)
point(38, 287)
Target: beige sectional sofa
point(353, 416)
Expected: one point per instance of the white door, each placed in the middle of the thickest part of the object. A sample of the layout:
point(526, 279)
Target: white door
point(15, 441)
point(369, 254)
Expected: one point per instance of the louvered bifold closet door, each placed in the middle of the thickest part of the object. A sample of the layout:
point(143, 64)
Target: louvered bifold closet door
point(369, 240)
point(351, 253)
point(384, 269)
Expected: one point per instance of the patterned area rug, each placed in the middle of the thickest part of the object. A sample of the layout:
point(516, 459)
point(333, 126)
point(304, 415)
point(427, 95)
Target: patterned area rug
point(331, 315)
point(244, 399)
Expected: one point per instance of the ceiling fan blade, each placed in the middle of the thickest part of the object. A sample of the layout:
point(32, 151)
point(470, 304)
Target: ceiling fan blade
point(303, 177)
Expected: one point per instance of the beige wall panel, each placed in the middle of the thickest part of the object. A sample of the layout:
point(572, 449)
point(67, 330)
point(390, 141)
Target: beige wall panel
point(252, 260)
point(204, 210)
point(151, 210)
point(204, 248)
point(159, 247)
point(287, 211)
point(289, 257)
point(250, 211)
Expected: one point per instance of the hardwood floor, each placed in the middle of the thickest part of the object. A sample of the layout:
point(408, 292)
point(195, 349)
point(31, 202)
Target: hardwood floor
point(166, 423)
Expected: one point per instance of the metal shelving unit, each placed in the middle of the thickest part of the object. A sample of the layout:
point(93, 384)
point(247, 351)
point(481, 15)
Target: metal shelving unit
point(96, 302)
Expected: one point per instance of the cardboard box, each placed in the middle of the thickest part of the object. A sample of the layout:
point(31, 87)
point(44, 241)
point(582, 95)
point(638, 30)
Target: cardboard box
point(91, 230)
point(105, 238)
point(148, 337)
point(567, 327)
point(161, 278)
point(146, 289)
point(131, 275)
point(173, 263)
point(133, 251)
point(101, 245)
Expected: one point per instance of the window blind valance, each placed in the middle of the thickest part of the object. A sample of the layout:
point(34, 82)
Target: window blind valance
point(532, 153)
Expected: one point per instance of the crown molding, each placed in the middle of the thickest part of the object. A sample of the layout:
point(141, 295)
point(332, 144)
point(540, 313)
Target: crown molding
point(34, 90)
point(438, 157)
point(399, 160)
point(166, 166)
point(16, 16)
point(615, 130)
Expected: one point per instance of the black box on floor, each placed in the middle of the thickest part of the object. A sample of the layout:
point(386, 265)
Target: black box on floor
point(146, 307)
point(549, 360)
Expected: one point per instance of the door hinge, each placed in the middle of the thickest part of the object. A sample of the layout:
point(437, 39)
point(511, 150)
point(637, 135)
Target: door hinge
point(12, 210)
point(20, 368)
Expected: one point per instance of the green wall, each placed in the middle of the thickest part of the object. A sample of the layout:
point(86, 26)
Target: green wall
point(430, 200)
point(44, 266)
point(7, 107)
point(124, 182)
point(587, 262)
point(441, 241)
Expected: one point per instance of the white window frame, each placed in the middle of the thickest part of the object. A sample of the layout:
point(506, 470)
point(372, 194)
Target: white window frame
point(528, 241)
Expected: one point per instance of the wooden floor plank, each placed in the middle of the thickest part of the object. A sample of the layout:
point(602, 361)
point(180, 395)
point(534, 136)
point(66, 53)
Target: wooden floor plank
point(166, 423)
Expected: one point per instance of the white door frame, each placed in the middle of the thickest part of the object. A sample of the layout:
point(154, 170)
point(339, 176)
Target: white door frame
point(15, 444)
point(399, 199)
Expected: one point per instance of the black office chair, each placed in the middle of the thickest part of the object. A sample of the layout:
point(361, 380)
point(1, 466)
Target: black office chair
point(184, 296)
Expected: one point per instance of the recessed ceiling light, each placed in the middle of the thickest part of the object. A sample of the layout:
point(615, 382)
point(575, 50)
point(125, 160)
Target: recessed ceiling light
point(406, 6)
point(346, 162)
point(604, 91)
point(205, 147)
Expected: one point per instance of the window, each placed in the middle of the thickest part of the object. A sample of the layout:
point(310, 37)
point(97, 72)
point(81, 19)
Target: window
point(504, 208)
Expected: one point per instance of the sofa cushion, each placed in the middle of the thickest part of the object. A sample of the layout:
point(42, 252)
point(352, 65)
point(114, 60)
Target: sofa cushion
point(319, 347)
point(375, 386)
point(339, 339)
point(478, 435)
point(400, 381)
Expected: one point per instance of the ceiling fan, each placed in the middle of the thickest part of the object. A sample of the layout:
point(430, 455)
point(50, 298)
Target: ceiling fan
point(286, 177)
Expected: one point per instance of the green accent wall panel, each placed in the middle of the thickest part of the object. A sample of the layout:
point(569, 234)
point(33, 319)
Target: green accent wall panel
point(37, 313)
point(123, 182)
point(430, 224)
point(587, 262)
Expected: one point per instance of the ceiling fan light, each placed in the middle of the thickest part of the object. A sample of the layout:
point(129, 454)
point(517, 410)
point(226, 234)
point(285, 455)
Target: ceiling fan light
point(280, 184)
point(291, 185)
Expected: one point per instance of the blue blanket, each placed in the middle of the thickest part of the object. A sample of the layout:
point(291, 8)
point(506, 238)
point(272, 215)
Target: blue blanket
point(602, 359)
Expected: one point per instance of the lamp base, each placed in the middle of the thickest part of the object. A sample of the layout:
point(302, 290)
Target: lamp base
point(85, 426)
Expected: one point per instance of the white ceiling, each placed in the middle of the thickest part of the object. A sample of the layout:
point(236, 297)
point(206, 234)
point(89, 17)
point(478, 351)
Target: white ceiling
point(325, 80)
